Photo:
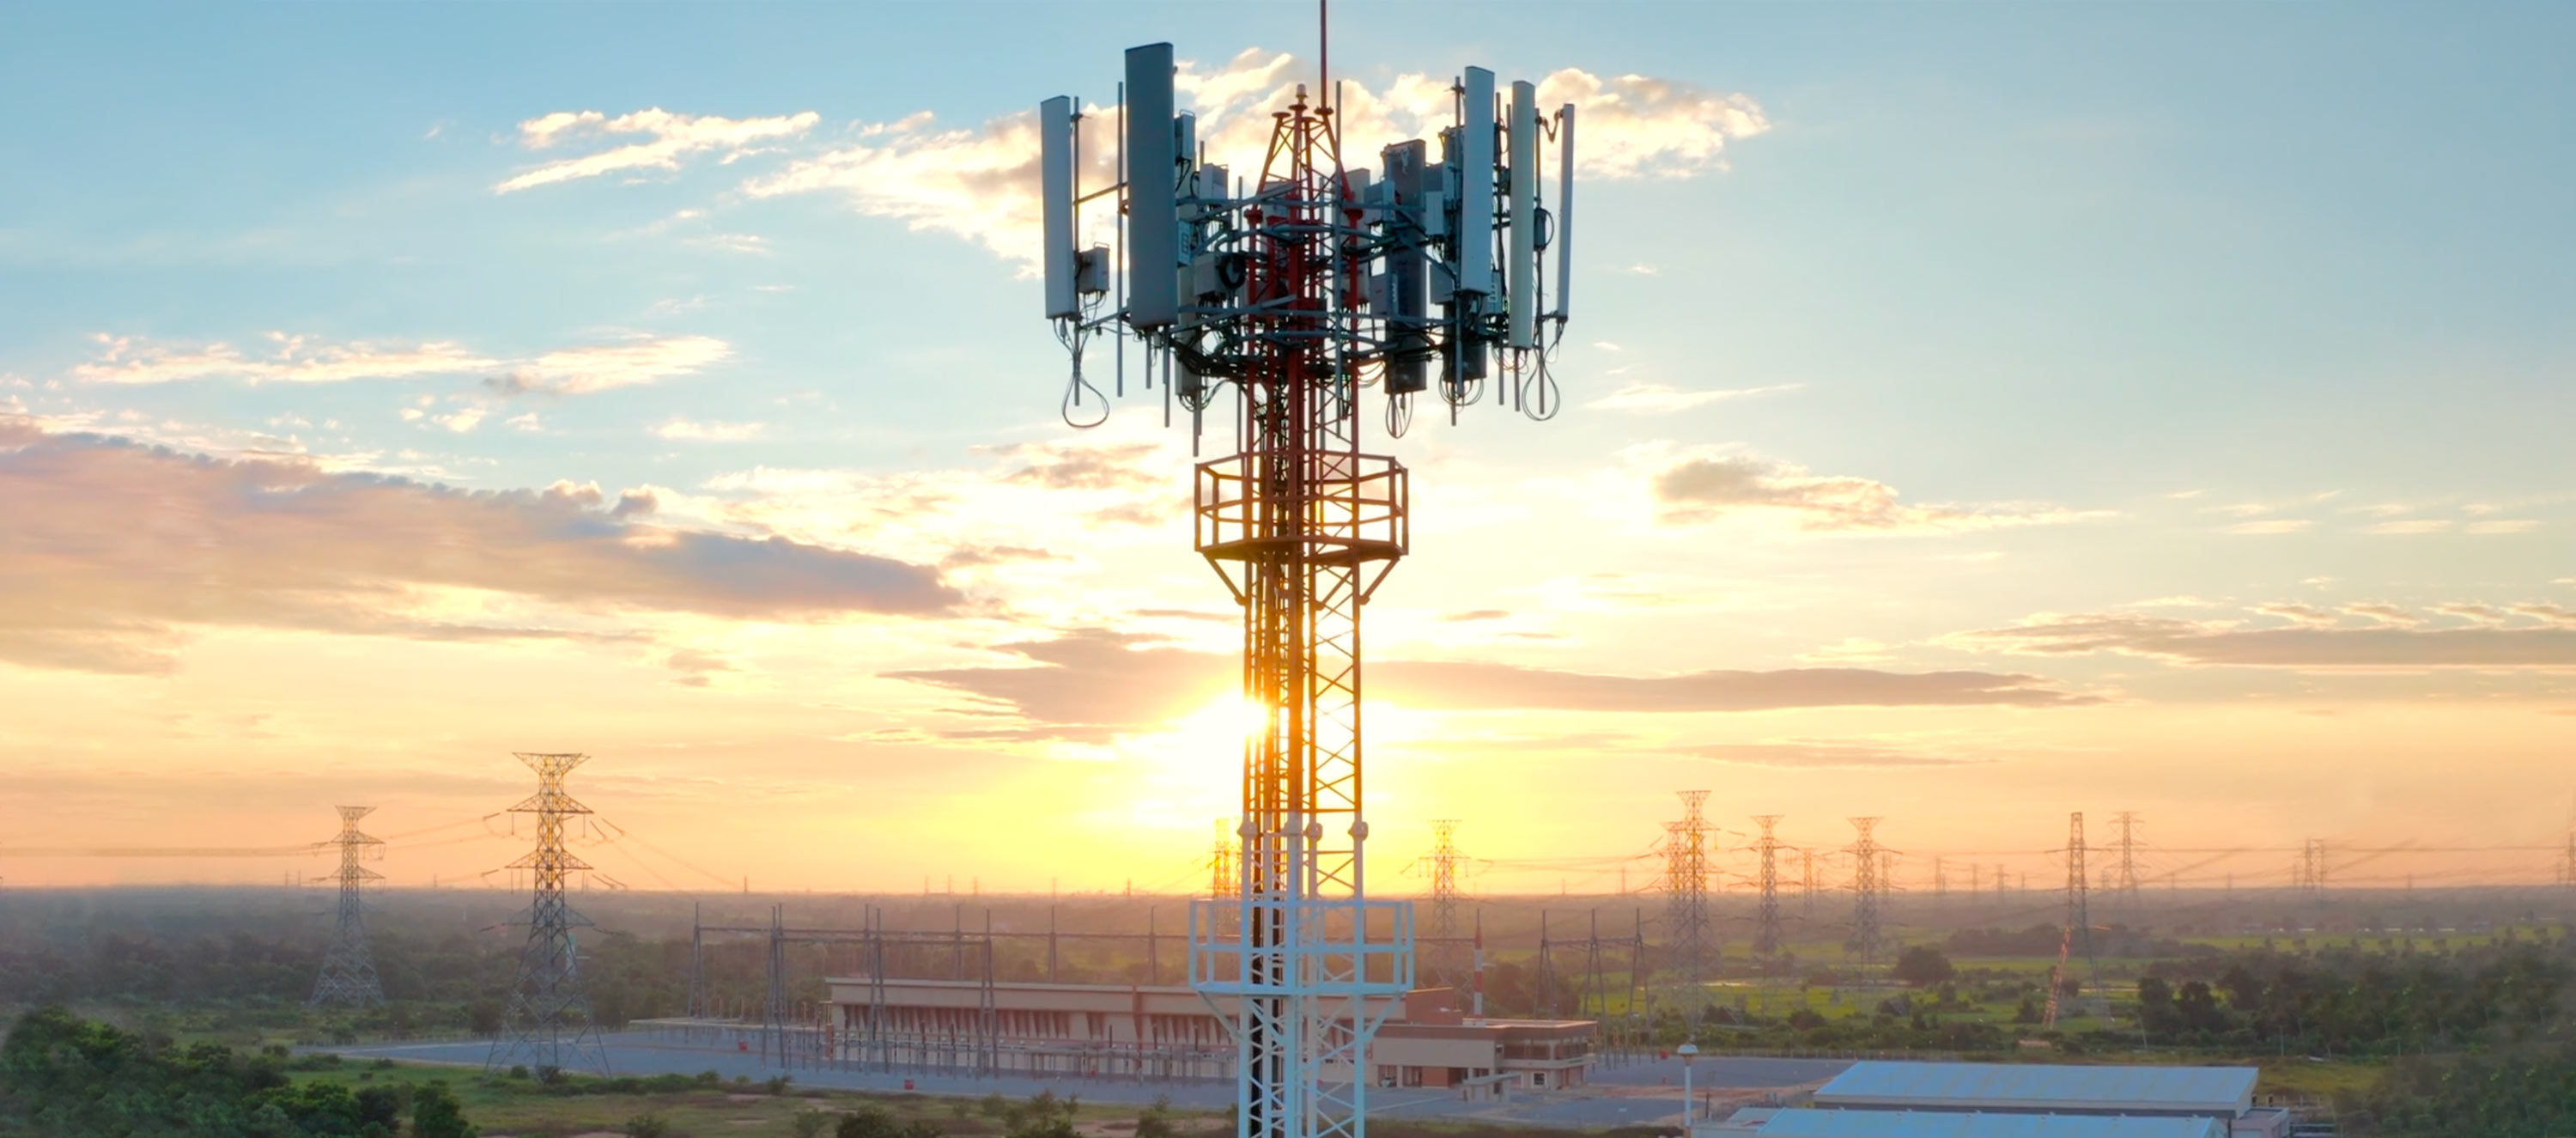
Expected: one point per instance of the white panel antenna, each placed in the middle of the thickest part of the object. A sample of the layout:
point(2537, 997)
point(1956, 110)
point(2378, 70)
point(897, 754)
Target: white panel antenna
point(1472, 247)
point(1055, 193)
point(1153, 208)
point(1520, 276)
point(1562, 241)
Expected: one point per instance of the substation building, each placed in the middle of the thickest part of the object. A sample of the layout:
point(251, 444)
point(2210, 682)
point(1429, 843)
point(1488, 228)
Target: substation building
point(1099, 1031)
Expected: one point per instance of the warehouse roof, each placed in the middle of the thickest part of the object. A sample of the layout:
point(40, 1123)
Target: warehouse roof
point(2037, 1086)
point(1964, 1124)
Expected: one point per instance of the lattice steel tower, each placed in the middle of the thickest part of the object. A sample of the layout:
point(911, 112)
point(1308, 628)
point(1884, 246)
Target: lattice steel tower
point(1441, 865)
point(547, 1024)
point(348, 970)
point(1866, 887)
point(2079, 922)
point(2124, 875)
point(1766, 917)
point(1222, 881)
point(1686, 926)
point(1295, 295)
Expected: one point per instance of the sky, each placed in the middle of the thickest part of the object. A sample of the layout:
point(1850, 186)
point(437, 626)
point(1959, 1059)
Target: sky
point(1975, 413)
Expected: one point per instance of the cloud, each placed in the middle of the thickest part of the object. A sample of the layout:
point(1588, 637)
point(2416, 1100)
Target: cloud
point(2298, 613)
point(289, 359)
point(1657, 398)
point(2309, 646)
point(2268, 527)
point(1820, 753)
point(117, 549)
point(2408, 526)
point(667, 139)
point(1474, 685)
point(1705, 488)
point(2383, 613)
point(690, 430)
point(305, 359)
point(1634, 126)
point(2501, 526)
point(586, 370)
point(980, 182)
point(1112, 467)
point(1089, 682)
point(2473, 612)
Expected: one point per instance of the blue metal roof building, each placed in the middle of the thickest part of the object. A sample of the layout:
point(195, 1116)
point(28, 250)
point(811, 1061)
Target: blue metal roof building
point(1964, 1124)
point(2034, 1088)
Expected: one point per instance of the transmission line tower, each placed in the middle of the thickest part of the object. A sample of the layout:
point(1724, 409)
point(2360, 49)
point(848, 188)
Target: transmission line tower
point(2079, 922)
point(1222, 882)
point(1864, 941)
point(1441, 865)
point(1686, 889)
point(548, 1017)
point(1766, 923)
point(1807, 884)
point(348, 976)
point(1306, 296)
point(2124, 876)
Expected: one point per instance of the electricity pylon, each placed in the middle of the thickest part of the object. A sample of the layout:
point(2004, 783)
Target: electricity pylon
point(548, 1017)
point(1222, 882)
point(1766, 924)
point(2079, 922)
point(2124, 876)
point(348, 976)
point(1686, 889)
point(1442, 866)
point(1866, 889)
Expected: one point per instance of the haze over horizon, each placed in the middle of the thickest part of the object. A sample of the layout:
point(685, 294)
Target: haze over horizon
point(1975, 413)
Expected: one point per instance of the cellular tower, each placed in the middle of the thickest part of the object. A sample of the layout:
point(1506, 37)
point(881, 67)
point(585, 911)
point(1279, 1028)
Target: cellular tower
point(1285, 301)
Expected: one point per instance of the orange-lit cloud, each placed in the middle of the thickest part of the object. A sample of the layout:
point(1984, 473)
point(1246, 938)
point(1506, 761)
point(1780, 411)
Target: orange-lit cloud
point(116, 549)
point(1092, 682)
point(1700, 488)
point(2312, 643)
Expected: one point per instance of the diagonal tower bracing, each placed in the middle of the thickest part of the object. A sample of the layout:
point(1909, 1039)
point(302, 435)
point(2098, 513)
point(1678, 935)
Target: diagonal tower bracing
point(1766, 916)
point(348, 976)
point(547, 1024)
point(1691, 940)
point(1866, 891)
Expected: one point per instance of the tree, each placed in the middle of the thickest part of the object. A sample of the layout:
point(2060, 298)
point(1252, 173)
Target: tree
point(866, 1122)
point(1922, 966)
point(435, 1113)
point(2156, 1005)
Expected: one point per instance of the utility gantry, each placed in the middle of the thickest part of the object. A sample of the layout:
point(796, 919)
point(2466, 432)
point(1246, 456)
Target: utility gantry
point(1295, 295)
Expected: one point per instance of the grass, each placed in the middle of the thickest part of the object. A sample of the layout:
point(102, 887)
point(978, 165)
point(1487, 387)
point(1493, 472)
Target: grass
point(522, 1108)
